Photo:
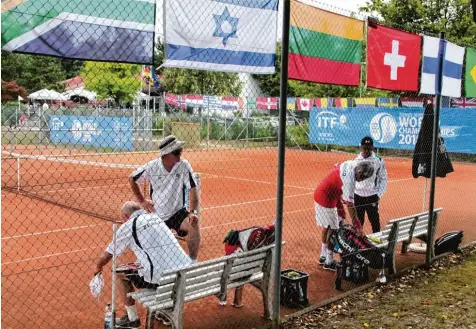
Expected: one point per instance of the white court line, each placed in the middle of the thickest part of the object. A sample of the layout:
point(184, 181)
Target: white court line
point(253, 219)
point(48, 256)
point(257, 181)
point(74, 228)
point(250, 202)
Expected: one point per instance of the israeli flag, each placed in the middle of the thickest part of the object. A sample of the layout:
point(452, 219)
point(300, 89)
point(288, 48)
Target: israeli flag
point(221, 35)
point(434, 49)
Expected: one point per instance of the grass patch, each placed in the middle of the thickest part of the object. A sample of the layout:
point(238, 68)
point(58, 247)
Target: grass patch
point(444, 297)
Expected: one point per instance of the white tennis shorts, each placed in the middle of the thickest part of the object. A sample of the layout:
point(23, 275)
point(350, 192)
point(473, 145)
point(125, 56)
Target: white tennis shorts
point(326, 217)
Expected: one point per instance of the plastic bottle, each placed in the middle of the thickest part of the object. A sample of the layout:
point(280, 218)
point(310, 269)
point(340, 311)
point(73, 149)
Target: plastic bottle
point(108, 317)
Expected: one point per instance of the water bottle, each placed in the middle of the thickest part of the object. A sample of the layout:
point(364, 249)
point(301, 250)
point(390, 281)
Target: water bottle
point(108, 317)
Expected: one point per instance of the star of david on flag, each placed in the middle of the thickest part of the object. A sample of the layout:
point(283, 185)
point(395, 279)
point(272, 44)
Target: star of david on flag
point(435, 50)
point(222, 21)
point(224, 35)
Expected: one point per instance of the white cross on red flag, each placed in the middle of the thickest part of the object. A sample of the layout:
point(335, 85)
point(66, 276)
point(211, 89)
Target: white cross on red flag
point(393, 59)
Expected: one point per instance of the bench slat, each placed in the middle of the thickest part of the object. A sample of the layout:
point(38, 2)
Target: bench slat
point(247, 266)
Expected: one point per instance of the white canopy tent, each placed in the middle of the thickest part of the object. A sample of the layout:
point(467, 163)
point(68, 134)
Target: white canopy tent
point(46, 94)
point(80, 92)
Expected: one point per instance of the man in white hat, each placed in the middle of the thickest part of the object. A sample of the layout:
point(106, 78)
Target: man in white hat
point(169, 177)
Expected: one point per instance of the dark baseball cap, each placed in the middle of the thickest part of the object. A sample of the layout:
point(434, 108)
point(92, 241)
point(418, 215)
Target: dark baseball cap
point(367, 141)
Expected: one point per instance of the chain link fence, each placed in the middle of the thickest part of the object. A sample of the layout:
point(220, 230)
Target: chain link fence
point(86, 147)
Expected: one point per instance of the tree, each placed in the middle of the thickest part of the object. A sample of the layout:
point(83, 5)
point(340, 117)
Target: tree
point(430, 16)
point(119, 81)
point(188, 81)
point(33, 72)
point(71, 67)
point(11, 90)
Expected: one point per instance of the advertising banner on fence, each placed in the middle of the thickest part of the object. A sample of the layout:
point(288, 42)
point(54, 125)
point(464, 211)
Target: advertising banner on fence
point(393, 128)
point(111, 132)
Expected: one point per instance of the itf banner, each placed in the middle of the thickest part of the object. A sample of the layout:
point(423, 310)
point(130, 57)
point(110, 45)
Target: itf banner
point(112, 132)
point(393, 128)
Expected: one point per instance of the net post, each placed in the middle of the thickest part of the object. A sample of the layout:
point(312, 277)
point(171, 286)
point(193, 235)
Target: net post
point(18, 174)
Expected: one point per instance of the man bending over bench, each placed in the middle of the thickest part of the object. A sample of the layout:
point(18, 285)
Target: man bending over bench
point(340, 183)
point(156, 248)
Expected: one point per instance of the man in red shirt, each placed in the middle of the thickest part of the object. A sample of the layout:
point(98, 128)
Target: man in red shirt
point(338, 188)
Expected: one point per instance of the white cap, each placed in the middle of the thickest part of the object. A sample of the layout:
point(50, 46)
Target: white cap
point(170, 144)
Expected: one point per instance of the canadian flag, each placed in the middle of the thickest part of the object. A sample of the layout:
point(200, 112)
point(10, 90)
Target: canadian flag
point(393, 58)
point(304, 104)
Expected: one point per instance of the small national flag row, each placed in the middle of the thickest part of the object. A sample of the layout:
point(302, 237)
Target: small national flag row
point(306, 104)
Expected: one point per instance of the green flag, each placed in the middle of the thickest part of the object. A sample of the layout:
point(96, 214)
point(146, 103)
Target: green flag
point(470, 76)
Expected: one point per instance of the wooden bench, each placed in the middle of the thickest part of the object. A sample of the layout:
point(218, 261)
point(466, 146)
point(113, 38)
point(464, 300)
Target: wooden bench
point(403, 230)
point(210, 278)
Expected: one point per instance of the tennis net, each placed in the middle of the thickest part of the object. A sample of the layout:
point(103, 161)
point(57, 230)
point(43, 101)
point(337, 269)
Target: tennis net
point(92, 187)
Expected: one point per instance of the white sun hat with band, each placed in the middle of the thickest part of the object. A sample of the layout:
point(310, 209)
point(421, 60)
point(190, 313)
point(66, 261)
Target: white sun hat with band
point(170, 144)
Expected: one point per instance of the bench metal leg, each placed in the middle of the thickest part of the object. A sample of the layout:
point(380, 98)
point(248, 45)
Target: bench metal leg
point(149, 320)
point(392, 243)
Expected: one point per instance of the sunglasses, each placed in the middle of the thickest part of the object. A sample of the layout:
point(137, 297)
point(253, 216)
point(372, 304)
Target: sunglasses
point(177, 152)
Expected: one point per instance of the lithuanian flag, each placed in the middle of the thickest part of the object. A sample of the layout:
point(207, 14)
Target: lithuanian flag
point(323, 46)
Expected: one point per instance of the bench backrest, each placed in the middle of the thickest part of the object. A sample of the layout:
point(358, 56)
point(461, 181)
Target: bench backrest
point(414, 225)
point(211, 277)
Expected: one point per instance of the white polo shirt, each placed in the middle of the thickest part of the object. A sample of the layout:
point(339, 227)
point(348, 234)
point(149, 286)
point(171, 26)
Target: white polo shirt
point(159, 250)
point(377, 183)
point(167, 188)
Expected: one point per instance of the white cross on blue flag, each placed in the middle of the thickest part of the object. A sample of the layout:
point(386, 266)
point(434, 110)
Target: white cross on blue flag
point(221, 35)
point(434, 49)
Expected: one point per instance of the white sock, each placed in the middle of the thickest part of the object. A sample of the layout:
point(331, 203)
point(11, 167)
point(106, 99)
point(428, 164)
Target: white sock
point(132, 312)
point(329, 257)
point(324, 250)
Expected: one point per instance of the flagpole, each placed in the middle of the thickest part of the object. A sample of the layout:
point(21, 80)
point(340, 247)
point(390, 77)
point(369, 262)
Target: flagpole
point(434, 158)
point(283, 91)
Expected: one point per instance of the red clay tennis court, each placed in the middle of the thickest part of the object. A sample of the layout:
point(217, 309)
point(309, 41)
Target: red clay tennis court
point(57, 209)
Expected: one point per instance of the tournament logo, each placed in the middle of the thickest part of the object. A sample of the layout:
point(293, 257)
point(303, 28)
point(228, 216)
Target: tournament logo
point(383, 127)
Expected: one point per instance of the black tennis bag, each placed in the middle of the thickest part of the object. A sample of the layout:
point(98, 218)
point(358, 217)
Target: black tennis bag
point(350, 245)
point(449, 241)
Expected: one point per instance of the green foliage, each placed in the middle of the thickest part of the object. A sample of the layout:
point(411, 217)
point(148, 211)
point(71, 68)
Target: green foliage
point(186, 81)
point(11, 113)
point(451, 16)
point(33, 72)
point(71, 67)
point(182, 81)
point(118, 81)
point(298, 135)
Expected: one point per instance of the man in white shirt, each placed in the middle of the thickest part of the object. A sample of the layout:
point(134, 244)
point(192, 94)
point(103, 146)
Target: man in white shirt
point(156, 248)
point(169, 178)
point(368, 192)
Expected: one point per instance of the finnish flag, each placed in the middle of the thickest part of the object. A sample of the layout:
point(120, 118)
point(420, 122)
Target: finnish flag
point(221, 35)
point(434, 49)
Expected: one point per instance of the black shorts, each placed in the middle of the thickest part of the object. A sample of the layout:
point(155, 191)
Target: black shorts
point(176, 221)
point(139, 281)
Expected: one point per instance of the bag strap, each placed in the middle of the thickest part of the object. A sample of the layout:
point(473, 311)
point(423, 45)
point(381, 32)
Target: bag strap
point(136, 240)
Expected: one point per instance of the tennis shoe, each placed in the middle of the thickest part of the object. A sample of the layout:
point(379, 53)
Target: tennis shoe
point(322, 260)
point(331, 267)
point(124, 322)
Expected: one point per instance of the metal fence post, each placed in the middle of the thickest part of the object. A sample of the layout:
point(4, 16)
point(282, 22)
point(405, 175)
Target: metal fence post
point(434, 158)
point(281, 159)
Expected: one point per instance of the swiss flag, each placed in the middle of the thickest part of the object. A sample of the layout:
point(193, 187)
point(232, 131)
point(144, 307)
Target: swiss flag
point(393, 58)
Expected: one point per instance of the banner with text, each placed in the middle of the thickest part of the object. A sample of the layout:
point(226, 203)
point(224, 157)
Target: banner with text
point(111, 132)
point(393, 128)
